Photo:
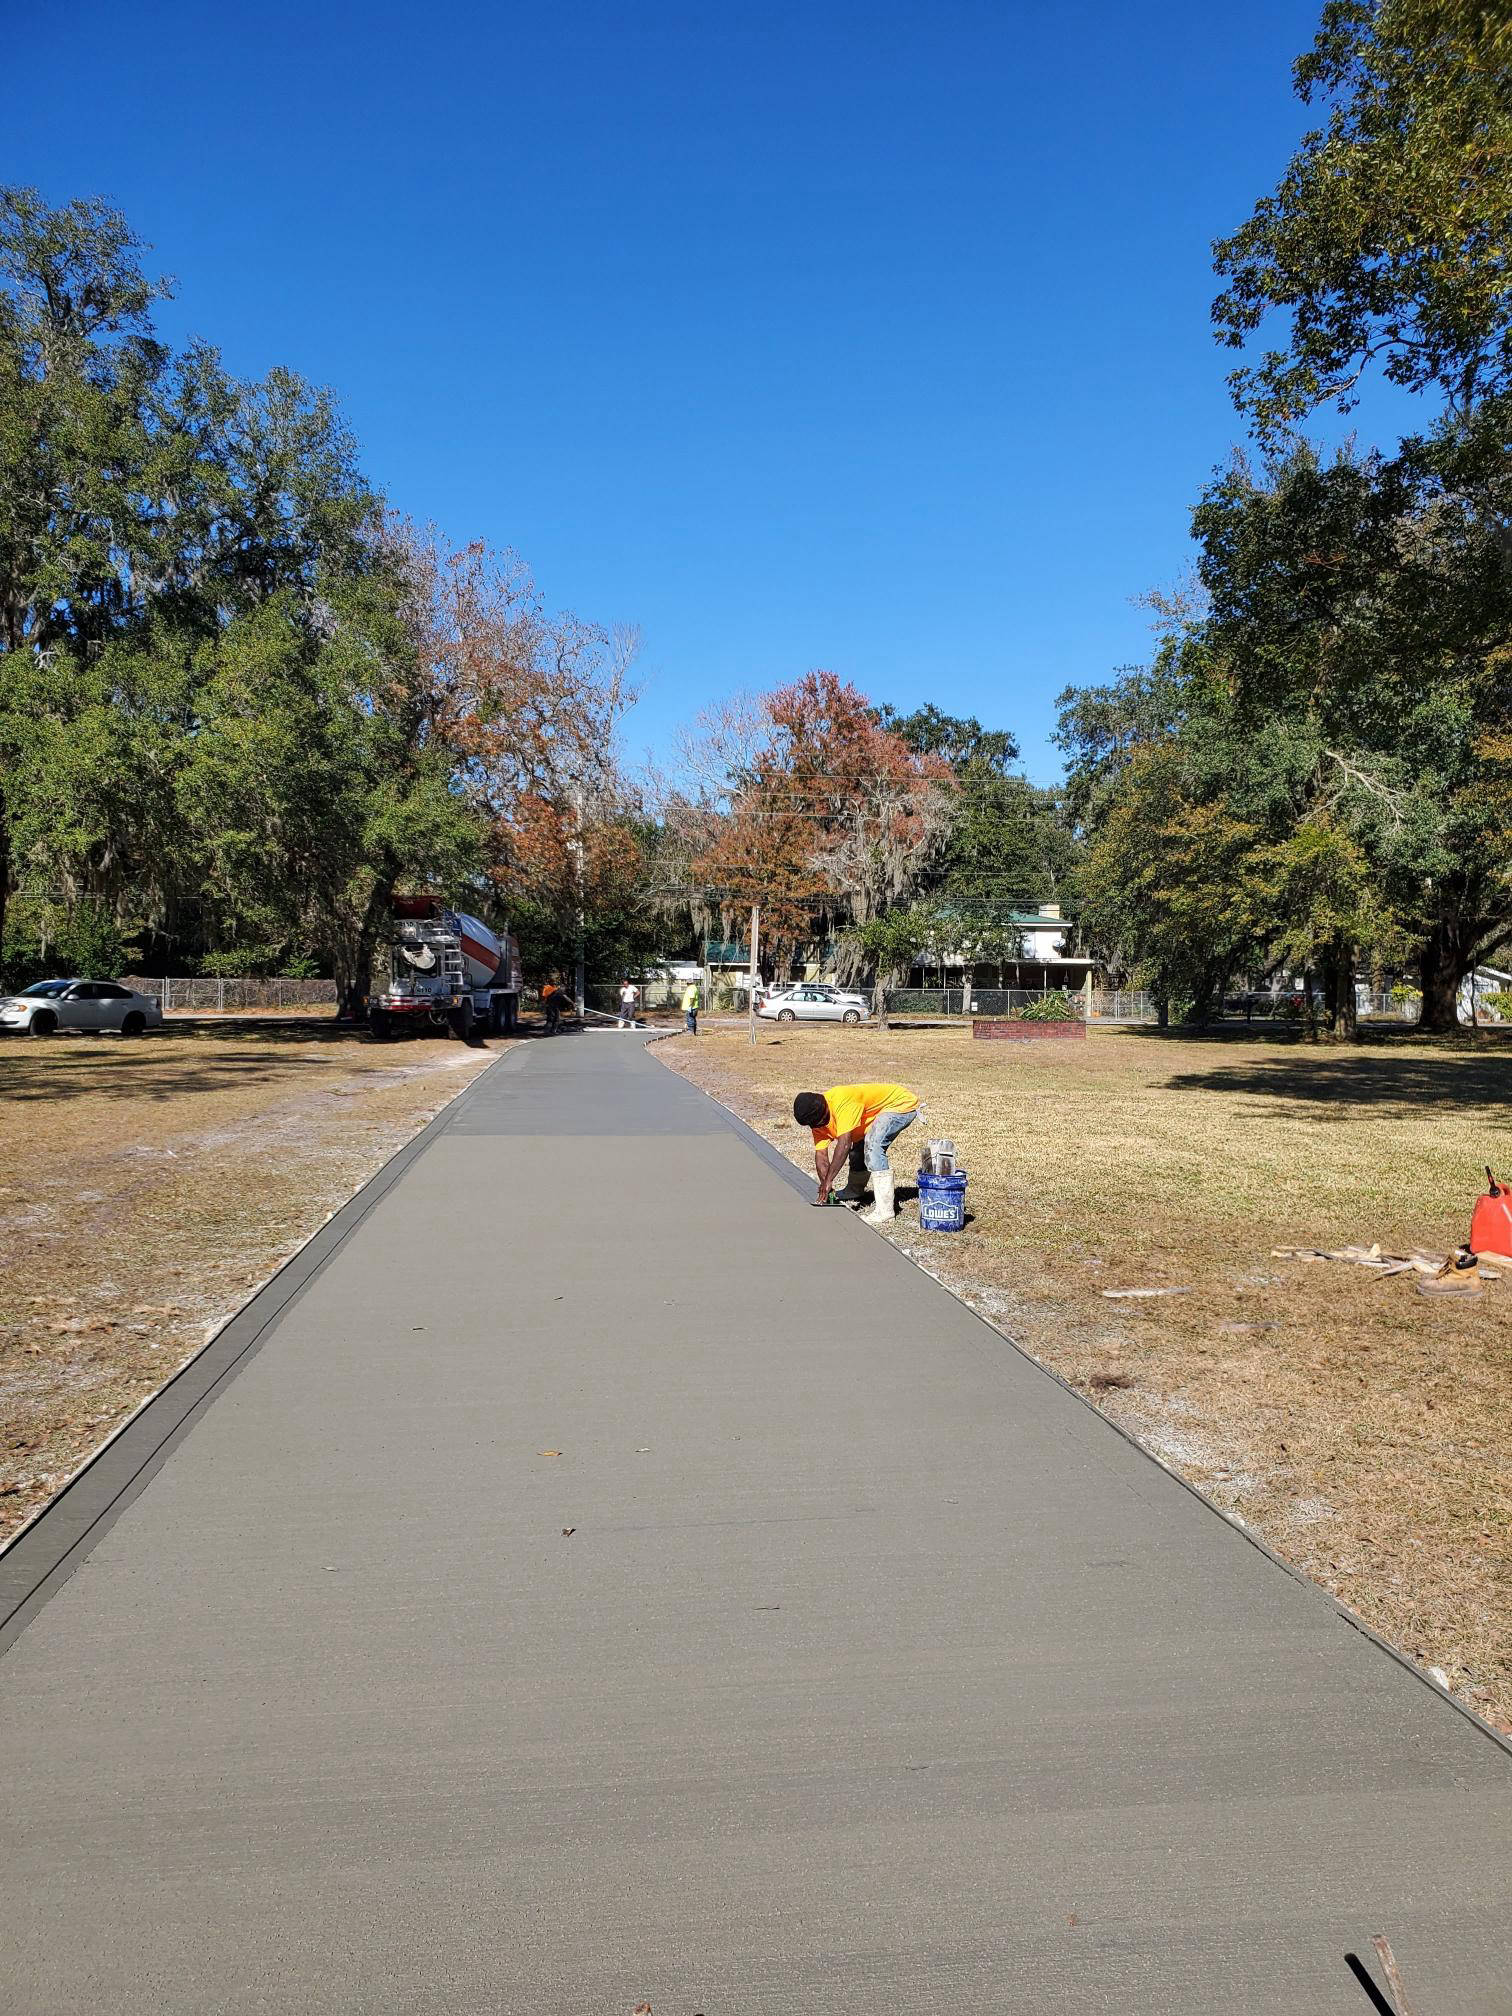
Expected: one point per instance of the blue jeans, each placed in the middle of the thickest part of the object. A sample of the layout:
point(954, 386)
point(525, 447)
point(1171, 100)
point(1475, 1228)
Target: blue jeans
point(692, 1017)
point(883, 1131)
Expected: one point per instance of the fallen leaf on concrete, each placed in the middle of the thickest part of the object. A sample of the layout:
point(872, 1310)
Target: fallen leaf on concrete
point(568, 1531)
point(548, 1452)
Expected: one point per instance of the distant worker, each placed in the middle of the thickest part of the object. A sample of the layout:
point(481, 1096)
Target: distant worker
point(629, 994)
point(553, 1000)
point(690, 1006)
point(857, 1123)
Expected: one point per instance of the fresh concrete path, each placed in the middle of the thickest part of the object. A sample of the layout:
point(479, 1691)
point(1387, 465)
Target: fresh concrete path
point(877, 1674)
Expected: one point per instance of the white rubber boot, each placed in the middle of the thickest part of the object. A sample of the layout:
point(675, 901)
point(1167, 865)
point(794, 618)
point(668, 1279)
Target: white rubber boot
point(881, 1212)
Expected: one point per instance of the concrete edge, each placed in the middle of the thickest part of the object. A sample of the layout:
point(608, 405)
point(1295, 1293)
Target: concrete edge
point(797, 1181)
point(38, 1560)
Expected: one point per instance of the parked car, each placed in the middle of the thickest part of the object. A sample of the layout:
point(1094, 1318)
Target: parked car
point(812, 1001)
point(1256, 1003)
point(52, 1007)
point(824, 987)
point(1287, 1004)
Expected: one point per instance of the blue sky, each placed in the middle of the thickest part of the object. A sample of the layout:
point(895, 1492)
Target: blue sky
point(866, 337)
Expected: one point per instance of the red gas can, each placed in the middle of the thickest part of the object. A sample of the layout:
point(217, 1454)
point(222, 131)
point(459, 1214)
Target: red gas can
point(1491, 1220)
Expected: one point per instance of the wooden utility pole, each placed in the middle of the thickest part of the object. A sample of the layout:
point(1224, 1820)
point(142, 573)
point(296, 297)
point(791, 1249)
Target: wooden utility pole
point(755, 968)
point(579, 976)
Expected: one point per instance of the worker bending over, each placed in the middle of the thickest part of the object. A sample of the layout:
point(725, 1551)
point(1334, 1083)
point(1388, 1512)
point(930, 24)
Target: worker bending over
point(856, 1124)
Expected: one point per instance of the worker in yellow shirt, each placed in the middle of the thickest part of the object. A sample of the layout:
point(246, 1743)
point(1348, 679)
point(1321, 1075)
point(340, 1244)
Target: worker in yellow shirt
point(855, 1124)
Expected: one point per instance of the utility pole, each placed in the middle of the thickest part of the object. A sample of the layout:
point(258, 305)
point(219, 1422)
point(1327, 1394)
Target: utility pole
point(579, 977)
point(755, 968)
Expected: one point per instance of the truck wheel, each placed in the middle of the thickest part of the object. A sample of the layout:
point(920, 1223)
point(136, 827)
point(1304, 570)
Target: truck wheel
point(511, 1013)
point(44, 1022)
point(380, 1026)
point(495, 1014)
point(460, 1021)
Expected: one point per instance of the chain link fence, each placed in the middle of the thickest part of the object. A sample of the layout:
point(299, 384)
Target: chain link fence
point(1123, 1005)
point(1107, 1005)
point(196, 996)
point(959, 1003)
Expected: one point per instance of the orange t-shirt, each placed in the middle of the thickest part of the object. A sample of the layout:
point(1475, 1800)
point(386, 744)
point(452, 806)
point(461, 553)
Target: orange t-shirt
point(853, 1106)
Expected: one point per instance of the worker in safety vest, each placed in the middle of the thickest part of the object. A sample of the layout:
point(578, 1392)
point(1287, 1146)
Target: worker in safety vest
point(553, 1000)
point(690, 1006)
point(856, 1123)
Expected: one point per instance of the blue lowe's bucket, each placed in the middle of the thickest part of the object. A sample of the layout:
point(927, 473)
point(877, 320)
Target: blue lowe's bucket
point(942, 1201)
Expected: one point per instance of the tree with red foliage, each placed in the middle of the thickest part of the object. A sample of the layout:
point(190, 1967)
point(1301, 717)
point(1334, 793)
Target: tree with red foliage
point(529, 703)
point(833, 818)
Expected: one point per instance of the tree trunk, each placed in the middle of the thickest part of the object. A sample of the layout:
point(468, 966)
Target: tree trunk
point(4, 875)
point(879, 1002)
point(1309, 1003)
point(1344, 1014)
point(1442, 965)
point(1201, 1012)
point(351, 993)
point(354, 956)
point(1328, 972)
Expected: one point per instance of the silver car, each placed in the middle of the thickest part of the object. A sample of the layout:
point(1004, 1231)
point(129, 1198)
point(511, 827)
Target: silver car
point(58, 1007)
point(814, 1001)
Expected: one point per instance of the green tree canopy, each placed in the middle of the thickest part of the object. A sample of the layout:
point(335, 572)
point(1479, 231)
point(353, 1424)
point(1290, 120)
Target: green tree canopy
point(230, 688)
point(1388, 240)
point(1337, 703)
point(959, 740)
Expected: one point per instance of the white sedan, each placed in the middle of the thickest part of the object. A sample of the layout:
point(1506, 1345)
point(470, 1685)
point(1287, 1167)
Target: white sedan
point(812, 1001)
point(54, 1007)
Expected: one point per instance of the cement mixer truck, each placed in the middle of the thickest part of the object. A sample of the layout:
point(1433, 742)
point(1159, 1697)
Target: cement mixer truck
point(448, 971)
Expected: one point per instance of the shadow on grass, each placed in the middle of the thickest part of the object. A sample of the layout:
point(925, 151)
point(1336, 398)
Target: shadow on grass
point(1445, 1078)
point(119, 1069)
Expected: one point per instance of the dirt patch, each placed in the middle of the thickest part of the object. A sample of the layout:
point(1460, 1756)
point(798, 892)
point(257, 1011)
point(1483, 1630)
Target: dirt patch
point(1364, 1432)
point(147, 1189)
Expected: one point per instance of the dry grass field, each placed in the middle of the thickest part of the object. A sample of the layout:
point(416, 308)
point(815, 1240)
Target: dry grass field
point(146, 1189)
point(1363, 1431)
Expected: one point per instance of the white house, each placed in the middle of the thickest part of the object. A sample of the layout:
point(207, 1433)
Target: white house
point(1473, 991)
